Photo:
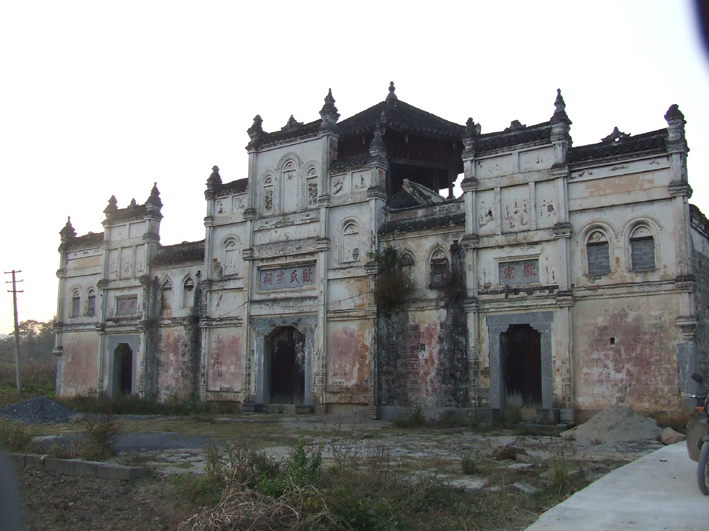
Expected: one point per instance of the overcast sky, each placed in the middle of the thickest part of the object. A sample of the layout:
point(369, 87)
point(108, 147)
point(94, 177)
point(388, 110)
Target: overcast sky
point(102, 98)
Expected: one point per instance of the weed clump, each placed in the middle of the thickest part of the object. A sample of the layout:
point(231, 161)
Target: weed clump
point(414, 419)
point(100, 432)
point(15, 436)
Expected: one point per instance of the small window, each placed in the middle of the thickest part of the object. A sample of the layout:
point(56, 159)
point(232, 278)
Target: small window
point(312, 187)
point(439, 269)
point(166, 299)
point(188, 295)
point(91, 309)
point(230, 257)
point(407, 265)
point(597, 253)
point(350, 242)
point(268, 195)
point(75, 303)
point(642, 250)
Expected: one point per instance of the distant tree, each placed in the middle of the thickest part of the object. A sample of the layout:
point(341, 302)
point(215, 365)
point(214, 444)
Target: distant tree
point(36, 342)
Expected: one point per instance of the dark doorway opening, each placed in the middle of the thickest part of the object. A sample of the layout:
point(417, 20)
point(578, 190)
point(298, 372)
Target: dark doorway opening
point(123, 370)
point(521, 356)
point(286, 360)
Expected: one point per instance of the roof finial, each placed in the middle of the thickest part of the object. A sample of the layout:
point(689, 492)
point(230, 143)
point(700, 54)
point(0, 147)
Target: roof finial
point(112, 206)
point(214, 179)
point(560, 109)
point(154, 199)
point(391, 96)
point(471, 128)
point(328, 113)
point(68, 231)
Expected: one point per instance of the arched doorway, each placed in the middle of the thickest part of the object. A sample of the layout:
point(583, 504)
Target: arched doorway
point(285, 365)
point(521, 360)
point(123, 370)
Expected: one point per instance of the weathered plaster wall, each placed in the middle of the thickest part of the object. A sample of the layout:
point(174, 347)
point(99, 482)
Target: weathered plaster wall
point(79, 363)
point(348, 361)
point(177, 363)
point(224, 366)
point(625, 353)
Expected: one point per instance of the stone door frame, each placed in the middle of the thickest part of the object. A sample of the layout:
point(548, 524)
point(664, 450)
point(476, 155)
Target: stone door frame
point(497, 324)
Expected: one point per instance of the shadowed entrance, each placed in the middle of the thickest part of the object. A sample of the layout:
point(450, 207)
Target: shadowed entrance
point(521, 356)
point(123, 370)
point(286, 361)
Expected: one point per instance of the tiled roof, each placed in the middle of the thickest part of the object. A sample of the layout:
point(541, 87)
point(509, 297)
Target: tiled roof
point(654, 141)
point(179, 253)
point(423, 223)
point(400, 116)
point(513, 137)
point(87, 240)
point(234, 187)
point(131, 212)
point(289, 133)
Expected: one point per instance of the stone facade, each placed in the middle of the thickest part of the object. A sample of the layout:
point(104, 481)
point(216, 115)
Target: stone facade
point(565, 279)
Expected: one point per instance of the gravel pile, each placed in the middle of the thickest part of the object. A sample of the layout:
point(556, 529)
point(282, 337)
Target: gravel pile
point(39, 410)
point(615, 424)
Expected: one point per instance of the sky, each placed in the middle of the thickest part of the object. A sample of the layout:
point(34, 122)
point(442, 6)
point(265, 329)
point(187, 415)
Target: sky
point(106, 98)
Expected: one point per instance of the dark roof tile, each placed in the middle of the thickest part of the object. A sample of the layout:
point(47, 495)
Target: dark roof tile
point(423, 223)
point(400, 116)
point(513, 137)
point(179, 253)
point(92, 239)
point(654, 141)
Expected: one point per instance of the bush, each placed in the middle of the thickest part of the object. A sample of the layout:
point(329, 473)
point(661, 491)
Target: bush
point(469, 465)
point(101, 432)
point(15, 436)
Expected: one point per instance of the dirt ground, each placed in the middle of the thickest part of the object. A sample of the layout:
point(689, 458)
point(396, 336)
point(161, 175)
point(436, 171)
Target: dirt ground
point(54, 502)
point(174, 446)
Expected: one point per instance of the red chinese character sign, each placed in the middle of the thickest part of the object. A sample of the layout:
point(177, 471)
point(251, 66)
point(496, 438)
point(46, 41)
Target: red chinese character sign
point(287, 277)
point(521, 272)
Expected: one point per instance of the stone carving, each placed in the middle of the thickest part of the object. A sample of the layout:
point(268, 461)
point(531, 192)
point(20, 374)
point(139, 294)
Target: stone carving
point(337, 184)
point(487, 215)
point(312, 192)
point(268, 200)
point(546, 209)
point(517, 214)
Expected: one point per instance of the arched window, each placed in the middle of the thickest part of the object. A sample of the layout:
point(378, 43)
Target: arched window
point(188, 294)
point(312, 187)
point(91, 308)
point(231, 254)
point(597, 254)
point(166, 299)
point(642, 249)
point(75, 303)
point(407, 265)
point(439, 269)
point(350, 242)
point(268, 195)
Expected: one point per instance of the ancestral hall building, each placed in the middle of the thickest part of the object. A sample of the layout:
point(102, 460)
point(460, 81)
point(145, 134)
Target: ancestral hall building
point(563, 280)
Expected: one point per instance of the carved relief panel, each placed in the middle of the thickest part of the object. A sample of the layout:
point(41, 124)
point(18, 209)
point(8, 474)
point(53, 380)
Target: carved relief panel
point(516, 213)
point(126, 266)
point(546, 210)
point(486, 211)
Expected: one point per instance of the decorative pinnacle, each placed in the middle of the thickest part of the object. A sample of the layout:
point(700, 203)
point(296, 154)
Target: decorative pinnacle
point(154, 198)
point(214, 179)
point(377, 144)
point(471, 128)
point(391, 96)
point(674, 114)
point(329, 106)
point(560, 115)
point(255, 129)
point(112, 206)
point(68, 231)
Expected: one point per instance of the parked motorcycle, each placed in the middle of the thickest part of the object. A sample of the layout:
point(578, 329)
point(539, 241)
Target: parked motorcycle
point(698, 441)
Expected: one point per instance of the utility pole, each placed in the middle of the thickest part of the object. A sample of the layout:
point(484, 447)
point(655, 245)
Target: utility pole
point(17, 328)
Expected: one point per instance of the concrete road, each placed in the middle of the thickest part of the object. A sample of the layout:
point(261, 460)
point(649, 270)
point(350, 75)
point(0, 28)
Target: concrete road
point(657, 491)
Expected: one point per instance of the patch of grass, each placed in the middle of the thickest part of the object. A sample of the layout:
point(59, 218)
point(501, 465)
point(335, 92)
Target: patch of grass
point(15, 436)
point(414, 419)
point(469, 465)
point(92, 402)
